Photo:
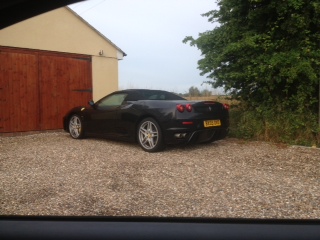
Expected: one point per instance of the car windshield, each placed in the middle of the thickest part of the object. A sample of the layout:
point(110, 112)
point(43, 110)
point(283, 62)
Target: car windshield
point(113, 100)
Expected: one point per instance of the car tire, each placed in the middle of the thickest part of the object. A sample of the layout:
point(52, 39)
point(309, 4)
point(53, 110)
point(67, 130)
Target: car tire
point(220, 134)
point(149, 135)
point(76, 129)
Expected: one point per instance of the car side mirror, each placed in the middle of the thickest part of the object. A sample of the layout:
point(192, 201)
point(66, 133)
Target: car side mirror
point(91, 103)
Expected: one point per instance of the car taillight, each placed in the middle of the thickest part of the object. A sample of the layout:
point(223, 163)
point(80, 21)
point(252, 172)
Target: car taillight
point(189, 107)
point(180, 108)
point(187, 123)
point(226, 106)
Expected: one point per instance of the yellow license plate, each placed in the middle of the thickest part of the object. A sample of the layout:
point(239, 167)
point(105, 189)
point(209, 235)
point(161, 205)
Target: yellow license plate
point(212, 123)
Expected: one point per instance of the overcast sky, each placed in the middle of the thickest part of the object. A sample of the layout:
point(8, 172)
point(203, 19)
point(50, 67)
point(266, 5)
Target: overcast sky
point(150, 32)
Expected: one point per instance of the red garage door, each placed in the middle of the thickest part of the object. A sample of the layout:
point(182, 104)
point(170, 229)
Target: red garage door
point(63, 84)
point(19, 104)
point(37, 88)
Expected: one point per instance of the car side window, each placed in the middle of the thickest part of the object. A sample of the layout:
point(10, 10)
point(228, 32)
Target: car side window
point(157, 97)
point(160, 95)
point(112, 101)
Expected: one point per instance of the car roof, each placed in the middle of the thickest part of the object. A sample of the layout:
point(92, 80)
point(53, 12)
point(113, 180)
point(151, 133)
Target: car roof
point(142, 90)
point(149, 94)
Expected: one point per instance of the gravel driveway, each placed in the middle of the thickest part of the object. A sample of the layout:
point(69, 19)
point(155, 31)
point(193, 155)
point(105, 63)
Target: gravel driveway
point(52, 174)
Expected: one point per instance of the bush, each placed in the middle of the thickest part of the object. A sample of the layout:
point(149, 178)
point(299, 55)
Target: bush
point(291, 127)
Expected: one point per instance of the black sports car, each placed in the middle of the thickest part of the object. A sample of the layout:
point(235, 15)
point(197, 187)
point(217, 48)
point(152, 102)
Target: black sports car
point(154, 118)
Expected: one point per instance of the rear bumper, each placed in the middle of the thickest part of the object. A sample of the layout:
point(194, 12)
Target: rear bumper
point(193, 130)
point(185, 135)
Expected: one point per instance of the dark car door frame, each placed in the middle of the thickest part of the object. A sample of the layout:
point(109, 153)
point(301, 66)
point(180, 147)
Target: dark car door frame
point(101, 121)
point(155, 228)
point(13, 11)
point(104, 115)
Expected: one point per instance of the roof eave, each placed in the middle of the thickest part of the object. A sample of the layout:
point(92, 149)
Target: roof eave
point(99, 33)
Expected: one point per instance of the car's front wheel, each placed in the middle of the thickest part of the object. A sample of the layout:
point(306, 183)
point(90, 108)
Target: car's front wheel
point(149, 135)
point(76, 127)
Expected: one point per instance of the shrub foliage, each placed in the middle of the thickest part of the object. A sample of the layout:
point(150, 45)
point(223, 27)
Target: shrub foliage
point(266, 53)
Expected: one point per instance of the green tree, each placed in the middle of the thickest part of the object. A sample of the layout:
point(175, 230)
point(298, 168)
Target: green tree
point(194, 92)
point(264, 51)
point(206, 93)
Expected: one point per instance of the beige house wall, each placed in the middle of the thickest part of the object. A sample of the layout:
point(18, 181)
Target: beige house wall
point(62, 30)
point(104, 71)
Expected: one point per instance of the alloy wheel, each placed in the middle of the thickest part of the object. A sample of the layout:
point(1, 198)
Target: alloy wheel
point(75, 127)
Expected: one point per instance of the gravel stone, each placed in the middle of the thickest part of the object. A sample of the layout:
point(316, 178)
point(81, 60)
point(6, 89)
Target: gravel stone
point(53, 174)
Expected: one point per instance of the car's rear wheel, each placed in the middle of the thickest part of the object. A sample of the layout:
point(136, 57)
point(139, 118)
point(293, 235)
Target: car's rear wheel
point(219, 134)
point(76, 127)
point(149, 135)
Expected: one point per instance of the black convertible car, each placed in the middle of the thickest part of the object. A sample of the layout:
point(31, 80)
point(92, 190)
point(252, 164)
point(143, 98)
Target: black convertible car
point(154, 118)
